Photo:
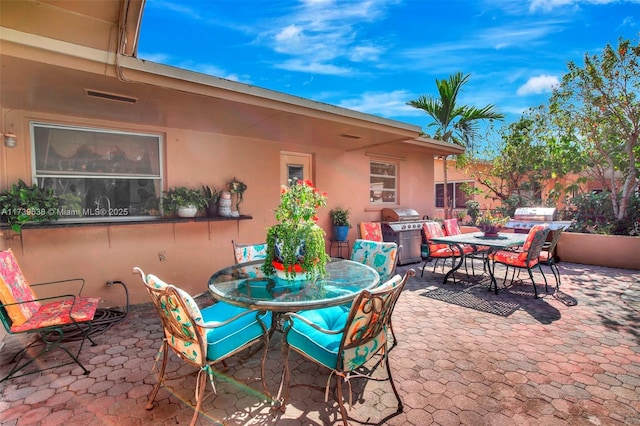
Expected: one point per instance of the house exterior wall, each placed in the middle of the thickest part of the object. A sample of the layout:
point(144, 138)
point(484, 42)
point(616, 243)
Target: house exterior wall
point(193, 251)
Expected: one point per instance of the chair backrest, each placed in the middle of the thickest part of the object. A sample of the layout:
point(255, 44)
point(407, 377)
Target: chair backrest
point(371, 231)
point(433, 230)
point(369, 318)
point(452, 227)
point(536, 244)
point(243, 253)
point(181, 319)
point(550, 247)
point(381, 256)
point(14, 288)
point(532, 234)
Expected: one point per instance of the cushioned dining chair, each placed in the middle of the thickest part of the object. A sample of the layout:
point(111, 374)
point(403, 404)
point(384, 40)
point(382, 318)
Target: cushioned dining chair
point(204, 337)
point(48, 319)
point(370, 231)
point(452, 227)
point(527, 257)
point(344, 341)
point(547, 255)
point(440, 251)
point(243, 253)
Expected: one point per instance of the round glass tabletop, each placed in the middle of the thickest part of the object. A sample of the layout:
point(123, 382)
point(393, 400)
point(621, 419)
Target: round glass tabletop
point(245, 285)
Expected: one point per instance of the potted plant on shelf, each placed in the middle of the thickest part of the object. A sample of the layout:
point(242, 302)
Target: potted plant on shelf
point(340, 222)
point(296, 246)
point(23, 204)
point(212, 195)
point(184, 201)
point(491, 222)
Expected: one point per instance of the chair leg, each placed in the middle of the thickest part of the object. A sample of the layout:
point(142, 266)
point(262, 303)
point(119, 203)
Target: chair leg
point(393, 335)
point(424, 265)
point(546, 286)
point(535, 289)
point(556, 273)
point(165, 349)
point(201, 384)
point(285, 381)
point(393, 385)
point(343, 410)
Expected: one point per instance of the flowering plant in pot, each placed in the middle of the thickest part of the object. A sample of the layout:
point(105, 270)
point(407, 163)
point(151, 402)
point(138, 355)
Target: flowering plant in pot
point(296, 246)
point(491, 222)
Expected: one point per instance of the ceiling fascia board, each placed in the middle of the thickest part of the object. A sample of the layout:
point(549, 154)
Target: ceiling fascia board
point(56, 46)
point(439, 147)
point(232, 90)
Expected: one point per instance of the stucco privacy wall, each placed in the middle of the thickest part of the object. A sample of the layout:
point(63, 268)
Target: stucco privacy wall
point(194, 250)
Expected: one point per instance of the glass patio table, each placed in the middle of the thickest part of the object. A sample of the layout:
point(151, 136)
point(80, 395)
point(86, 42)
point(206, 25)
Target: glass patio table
point(246, 285)
point(502, 241)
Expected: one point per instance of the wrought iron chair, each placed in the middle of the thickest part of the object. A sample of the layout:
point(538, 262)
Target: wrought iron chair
point(547, 255)
point(452, 227)
point(204, 337)
point(526, 258)
point(53, 321)
point(370, 231)
point(243, 253)
point(344, 341)
point(439, 251)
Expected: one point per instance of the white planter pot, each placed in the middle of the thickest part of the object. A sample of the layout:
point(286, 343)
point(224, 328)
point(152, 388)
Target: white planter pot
point(187, 211)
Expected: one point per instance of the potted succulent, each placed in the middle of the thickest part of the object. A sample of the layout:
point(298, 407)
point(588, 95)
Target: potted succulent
point(296, 245)
point(212, 194)
point(340, 222)
point(184, 201)
point(24, 204)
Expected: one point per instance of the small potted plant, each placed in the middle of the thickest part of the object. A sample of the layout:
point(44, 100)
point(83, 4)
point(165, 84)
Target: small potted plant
point(296, 245)
point(184, 201)
point(23, 204)
point(212, 194)
point(491, 222)
point(340, 222)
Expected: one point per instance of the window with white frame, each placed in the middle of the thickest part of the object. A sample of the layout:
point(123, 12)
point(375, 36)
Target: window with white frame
point(383, 182)
point(99, 174)
point(457, 196)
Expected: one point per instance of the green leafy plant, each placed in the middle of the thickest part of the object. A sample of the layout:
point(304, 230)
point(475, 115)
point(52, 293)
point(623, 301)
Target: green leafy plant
point(183, 196)
point(297, 243)
point(492, 218)
point(340, 217)
point(24, 204)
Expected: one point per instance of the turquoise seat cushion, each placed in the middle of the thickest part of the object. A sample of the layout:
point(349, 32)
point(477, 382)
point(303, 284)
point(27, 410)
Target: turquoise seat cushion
point(316, 345)
point(223, 340)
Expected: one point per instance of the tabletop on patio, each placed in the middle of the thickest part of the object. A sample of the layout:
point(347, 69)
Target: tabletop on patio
point(465, 356)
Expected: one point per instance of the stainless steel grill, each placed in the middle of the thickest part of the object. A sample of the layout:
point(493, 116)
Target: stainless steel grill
point(403, 226)
point(525, 218)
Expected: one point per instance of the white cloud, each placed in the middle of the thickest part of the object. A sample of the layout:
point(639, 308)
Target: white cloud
point(539, 84)
point(313, 67)
point(386, 104)
point(549, 5)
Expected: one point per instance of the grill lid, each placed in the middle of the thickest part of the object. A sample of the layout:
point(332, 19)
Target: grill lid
point(399, 215)
point(542, 214)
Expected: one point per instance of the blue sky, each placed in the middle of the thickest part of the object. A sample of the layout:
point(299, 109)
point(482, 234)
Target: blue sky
point(375, 55)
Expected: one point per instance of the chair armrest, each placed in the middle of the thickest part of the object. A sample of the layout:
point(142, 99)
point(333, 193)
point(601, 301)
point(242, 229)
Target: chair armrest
point(79, 280)
point(40, 299)
point(214, 324)
point(288, 317)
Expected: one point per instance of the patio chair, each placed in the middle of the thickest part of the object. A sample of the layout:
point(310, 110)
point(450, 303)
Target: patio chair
point(440, 251)
point(344, 341)
point(452, 227)
point(382, 257)
point(370, 231)
point(49, 319)
point(547, 255)
point(243, 253)
point(526, 258)
point(204, 337)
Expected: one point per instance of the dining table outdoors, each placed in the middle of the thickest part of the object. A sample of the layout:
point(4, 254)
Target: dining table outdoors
point(503, 240)
point(247, 286)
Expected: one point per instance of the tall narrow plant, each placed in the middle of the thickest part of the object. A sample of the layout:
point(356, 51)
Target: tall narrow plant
point(453, 123)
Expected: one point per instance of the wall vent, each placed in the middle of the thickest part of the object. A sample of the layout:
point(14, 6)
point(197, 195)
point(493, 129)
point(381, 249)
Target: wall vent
point(110, 96)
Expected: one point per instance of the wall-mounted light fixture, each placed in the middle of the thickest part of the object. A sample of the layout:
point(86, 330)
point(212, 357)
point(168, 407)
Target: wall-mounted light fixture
point(10, 139)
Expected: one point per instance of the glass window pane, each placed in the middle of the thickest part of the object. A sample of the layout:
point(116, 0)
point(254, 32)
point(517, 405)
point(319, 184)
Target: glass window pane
point(383, 181)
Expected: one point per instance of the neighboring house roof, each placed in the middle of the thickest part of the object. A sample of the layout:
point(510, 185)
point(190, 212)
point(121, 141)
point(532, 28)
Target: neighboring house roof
point(85, 66)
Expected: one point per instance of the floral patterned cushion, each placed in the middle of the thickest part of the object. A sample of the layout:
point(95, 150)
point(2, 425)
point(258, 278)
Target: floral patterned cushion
point(371, 231)
point(532, 234)
point(15, 288)
point(449, 252)
point(60, 313)
point(247, 252)
point(513, 258)
point(451, 227)
point(433, 230)
point(381, 256)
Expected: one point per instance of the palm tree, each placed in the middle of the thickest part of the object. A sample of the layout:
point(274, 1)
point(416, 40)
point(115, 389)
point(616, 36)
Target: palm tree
point(454, 124)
